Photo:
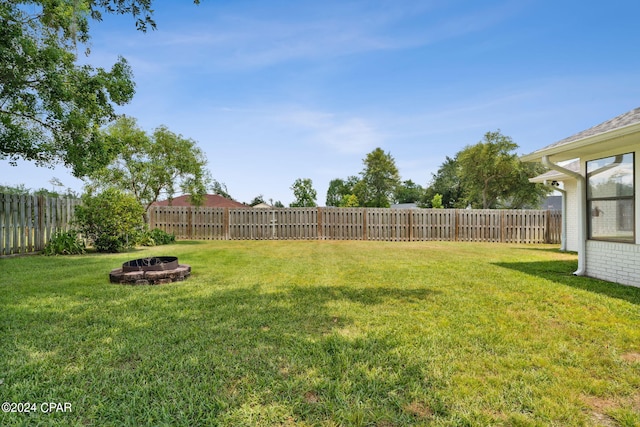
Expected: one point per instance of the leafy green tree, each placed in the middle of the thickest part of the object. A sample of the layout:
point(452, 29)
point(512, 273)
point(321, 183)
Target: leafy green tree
point(522, 194)
point(22, 190)
point(349, 201)
point(446, 182)
point(492, 175)
point(339, 189)
point(408, 192)
point(335, 192)
point(304, 193)
point(380, 178)
point(51, 107)
point(257, 200)
point(19, 190)
point(220, 188)
point(436, 201)
point(111, 219)
point(152, 165)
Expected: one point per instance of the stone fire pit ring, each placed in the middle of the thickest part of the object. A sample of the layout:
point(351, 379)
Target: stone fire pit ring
point(150, 271)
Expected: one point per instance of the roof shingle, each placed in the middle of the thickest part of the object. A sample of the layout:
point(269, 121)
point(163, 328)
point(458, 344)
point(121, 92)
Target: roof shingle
point(210, 201)
point(623, 120)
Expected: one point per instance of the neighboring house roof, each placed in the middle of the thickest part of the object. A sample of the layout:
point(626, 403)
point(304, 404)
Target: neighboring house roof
point(557, 176)
point(262, 206)
point(209, 201)
point(404, 206)
point(616, 132)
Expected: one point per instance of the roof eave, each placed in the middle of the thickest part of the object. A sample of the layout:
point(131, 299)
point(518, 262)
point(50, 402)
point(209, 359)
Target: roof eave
point(577, 148)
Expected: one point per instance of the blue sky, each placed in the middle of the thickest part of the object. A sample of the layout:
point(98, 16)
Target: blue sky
point(278, 90)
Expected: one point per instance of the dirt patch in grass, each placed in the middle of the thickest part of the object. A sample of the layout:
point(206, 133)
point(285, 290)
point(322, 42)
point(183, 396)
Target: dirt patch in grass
point(633, 357)
point(599, 406)
point(311, 397)
point(419, 410)
point(602, 406)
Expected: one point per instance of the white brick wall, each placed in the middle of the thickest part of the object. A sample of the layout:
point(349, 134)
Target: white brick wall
point(570, 186)
point(615, 262)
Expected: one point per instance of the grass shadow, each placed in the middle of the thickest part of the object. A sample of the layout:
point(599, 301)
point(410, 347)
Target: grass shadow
point(562, 272)
point(553, 250)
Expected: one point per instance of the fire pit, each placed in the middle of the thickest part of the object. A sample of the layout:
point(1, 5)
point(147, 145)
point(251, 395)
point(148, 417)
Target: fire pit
point(150, 271)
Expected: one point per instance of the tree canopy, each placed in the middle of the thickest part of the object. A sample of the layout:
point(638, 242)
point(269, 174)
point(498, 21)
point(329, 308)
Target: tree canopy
point(408, 192)
point(341, 191)
point(380, 177)
point(52, 108)
point(304, 193)
point(446, 183)
point(149, 166)
point(487, 175)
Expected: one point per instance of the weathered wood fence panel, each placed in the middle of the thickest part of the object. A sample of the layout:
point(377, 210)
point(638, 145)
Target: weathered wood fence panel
point(28, 222)
point(507, 226)
point(343, 224)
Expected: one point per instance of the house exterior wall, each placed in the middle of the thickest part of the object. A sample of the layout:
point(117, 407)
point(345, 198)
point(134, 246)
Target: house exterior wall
point(614, 262)
point(573, 210)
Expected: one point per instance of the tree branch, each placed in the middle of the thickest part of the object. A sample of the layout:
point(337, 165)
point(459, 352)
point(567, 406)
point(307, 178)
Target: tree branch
point(29, 117)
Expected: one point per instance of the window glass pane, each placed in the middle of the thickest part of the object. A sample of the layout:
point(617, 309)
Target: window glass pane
point(612, 219)
point(610, 177)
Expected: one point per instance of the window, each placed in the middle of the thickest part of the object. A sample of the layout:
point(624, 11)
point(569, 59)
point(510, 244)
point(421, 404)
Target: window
point(611, 198)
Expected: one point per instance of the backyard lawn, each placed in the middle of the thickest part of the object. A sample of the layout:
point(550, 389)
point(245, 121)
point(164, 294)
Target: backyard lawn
point(322, 333)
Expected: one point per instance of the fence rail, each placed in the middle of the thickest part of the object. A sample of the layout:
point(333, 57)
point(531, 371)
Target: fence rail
point(28, 222)
point(507, 226)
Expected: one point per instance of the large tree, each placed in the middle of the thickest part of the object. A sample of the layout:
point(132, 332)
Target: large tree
point(380, 177)
point(341, 191)
point(446, 182)
point(408, 192)
point(304, 193)
point(149, 166)
point(492, 175)
point(51, 107)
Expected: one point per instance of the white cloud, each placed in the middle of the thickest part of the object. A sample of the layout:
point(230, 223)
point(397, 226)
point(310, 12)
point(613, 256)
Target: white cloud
point(348, 135)
point(242, 40)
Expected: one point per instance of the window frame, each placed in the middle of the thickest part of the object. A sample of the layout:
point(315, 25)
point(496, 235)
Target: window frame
point(631, 198)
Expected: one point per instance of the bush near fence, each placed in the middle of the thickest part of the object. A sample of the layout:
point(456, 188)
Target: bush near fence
point(508, 226)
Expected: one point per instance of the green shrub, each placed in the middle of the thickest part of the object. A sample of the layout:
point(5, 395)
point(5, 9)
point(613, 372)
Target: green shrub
point(111, 219)
point(161, 237)
point(155, 237)
point(145, 239)
point(64, 243)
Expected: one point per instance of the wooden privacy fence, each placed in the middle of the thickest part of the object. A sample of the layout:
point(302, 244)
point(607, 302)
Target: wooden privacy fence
point(28, 222)
point(508, 226)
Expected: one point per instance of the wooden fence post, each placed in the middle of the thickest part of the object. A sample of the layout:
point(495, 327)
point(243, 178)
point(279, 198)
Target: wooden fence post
point(455, 225)
point(226, 224)
point(410, 234)
point(190, 222)
point(547, 226)
point(320, 232)
point(365, 234)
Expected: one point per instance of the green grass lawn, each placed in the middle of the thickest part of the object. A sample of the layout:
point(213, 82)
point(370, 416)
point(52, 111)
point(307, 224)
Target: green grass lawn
point(321, 333)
